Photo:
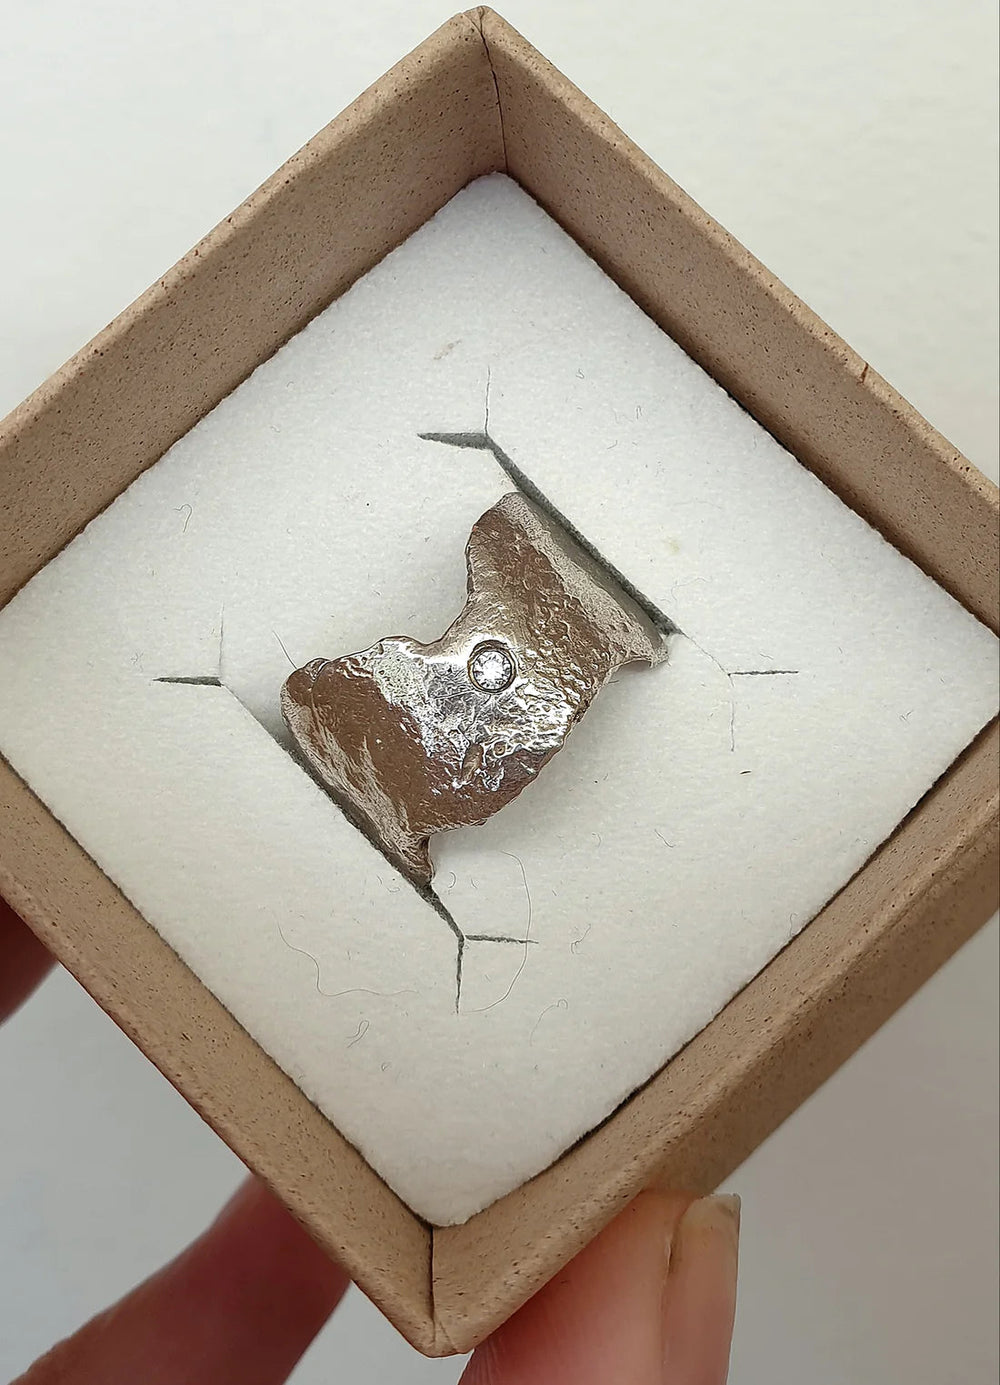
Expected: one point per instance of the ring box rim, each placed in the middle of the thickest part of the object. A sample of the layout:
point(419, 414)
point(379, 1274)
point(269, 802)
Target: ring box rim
point(476, 98)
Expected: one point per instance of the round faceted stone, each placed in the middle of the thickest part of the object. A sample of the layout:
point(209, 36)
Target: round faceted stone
point(492, 668)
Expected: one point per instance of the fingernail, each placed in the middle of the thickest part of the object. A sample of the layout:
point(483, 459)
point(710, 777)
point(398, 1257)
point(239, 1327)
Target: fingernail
point(700, 1296)
point(715, 1215)
point(721, 1210)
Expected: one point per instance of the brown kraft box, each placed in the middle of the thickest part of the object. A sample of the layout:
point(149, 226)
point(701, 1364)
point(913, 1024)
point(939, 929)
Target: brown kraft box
point(476, 98)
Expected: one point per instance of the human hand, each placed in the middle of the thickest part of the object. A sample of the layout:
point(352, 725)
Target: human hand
point(649, 1302)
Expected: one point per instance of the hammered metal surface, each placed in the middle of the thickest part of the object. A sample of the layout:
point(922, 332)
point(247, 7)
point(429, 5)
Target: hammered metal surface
point(404, 739)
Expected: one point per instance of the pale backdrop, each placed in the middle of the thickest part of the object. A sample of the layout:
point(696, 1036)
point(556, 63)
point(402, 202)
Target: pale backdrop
point(853, 148)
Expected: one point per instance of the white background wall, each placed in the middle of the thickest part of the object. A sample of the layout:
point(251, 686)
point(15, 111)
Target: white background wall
point(850, 146)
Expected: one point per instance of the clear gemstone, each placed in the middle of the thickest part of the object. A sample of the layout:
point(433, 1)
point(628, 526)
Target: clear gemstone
point(491, 668)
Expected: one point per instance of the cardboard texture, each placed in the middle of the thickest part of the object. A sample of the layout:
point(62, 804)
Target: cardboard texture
point(476, 98)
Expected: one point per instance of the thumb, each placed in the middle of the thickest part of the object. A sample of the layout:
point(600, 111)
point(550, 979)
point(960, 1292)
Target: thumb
point(651, 1301)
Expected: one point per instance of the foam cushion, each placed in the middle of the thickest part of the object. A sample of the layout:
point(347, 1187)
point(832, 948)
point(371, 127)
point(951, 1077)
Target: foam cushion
point(697, 818)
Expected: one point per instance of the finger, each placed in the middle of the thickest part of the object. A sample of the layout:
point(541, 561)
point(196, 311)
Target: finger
point(23, 961)
point(650, 1302)
point(700, 1303)
point(238, 1307)
point(601, 1319)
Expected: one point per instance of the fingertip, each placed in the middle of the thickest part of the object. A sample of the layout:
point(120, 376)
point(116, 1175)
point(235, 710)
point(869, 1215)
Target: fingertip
point(601, 1318)
point(700, 1301)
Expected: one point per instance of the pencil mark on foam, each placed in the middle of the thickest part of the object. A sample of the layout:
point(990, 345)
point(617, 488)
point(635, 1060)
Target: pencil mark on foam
point(731, 674)
point(499, 938)
point(283, 649)
point(198, 681)
point(763, 672)
point(349, 990)
point(560, 1004)
point(525, 941)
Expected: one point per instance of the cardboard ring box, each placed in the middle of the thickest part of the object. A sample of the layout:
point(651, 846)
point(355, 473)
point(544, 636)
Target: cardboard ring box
point(473, 99)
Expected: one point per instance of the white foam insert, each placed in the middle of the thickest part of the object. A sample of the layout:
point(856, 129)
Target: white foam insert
point(698, 817)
